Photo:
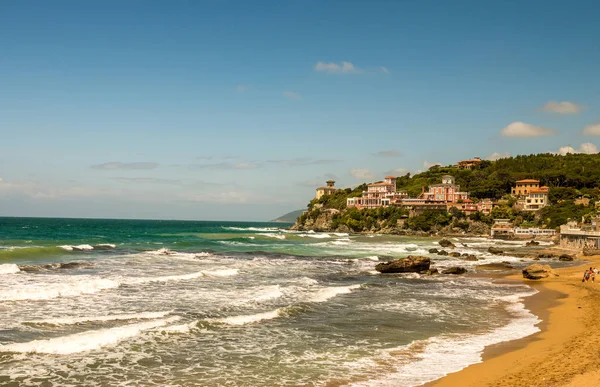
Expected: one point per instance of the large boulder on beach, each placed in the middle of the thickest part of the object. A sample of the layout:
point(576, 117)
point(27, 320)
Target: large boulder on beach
point(410, 264)
point(495, 250)
point(537, 271)
point(454, 270)
point(446, 243)
point(565, 257)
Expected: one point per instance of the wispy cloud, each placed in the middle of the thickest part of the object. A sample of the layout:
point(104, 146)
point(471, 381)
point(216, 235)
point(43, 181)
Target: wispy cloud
point(497, 156)
point(241, 88)
point(246, 165)
point(335, 68)
point(592, 130)
point(146, 180)
point(563, 107)
point(587, 148)
point(384, 69)
point(389, 153)
point(292, 95)
point(303, 161)
point(120, 165)
point(523, 130)
point(397, 172)
point(362, 173)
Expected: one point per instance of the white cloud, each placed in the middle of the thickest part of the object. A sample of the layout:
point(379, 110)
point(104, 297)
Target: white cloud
point(292, 95)
point(384, 69)
point(428, 165)
point(120, 165)
point(389, 153)
point(362, 173)
point(497, 155)
point(244, 165)
point(303, 161)
point(587, 148)
point(592, 130)
point(521, 129)
point(334, 68)
point(563, 107)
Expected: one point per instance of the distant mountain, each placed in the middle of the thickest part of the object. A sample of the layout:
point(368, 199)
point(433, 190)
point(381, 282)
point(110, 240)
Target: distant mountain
point(290, 217)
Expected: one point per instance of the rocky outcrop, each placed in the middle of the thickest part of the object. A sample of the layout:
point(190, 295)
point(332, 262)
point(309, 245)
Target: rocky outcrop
point(410, 264)
point(537, 271)
point(494, 266)
point(565, 257)
point(455, 270)
point(446, 243)
point(495, 250)
point(432, 271)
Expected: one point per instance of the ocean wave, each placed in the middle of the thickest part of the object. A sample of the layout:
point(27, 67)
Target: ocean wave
point(278, 236)
point(85, 341)
point(180, 328)
point(84, 247)
point(258, 229)
point(68, 287)
point(9, 268)
point(439, 356)
point(325, 294)
point(314, 235)
point(113, 317)
point(29, 253)
point(248, 319)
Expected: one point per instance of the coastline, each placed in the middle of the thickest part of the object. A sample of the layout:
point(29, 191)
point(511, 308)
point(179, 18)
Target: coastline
point(563, 353)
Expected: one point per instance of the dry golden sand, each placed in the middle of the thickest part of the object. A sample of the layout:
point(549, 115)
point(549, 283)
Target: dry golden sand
point(565, 353)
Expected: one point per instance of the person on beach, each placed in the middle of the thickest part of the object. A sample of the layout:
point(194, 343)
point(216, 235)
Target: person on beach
point(586, 276)
point(593, 274)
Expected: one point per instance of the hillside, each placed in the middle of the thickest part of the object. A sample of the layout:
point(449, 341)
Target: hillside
point(573, 180)
point(290, 217)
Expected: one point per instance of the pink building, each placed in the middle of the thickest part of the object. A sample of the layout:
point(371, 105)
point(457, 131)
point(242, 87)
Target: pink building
point(379, 194)
point(447, 191)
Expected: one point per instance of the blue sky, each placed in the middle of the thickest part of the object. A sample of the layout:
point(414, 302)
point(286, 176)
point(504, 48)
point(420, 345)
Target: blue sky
point(237, 110)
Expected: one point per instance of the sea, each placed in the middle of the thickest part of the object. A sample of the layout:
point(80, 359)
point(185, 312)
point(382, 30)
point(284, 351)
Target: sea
point(100, 302)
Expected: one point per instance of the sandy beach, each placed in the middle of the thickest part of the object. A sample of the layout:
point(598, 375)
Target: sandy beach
point(566, 350)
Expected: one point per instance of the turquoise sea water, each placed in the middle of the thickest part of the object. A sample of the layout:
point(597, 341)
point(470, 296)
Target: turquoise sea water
point(184, 303)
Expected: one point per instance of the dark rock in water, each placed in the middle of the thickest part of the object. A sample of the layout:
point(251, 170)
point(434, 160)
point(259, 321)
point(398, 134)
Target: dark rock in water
point(532, 243)
point(506, 262)
point(410, 264)
point(432, 271)
point(494, 266)
point(54, 266)
point(446, 243)
point(433, 251)
point(495, 250)
point(464, 244)
point(442, 252)
point(455, 270)
point(471, 257)
point(565, 257)
point(454, 254)
point(547, 255)
point(536, 259)
point(465, 254)
point(537, 271)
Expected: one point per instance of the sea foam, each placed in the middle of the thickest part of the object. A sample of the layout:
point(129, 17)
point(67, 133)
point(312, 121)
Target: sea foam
point(45, 291)
point(325, 294)
point(9, 268)
point(85, 341)
point(113, 317)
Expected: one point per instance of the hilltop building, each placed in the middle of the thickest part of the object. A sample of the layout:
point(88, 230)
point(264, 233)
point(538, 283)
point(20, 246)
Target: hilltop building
point(447, 192)
point(468, 164)
point(379, 194)
point(327, 190)
point(523, 187)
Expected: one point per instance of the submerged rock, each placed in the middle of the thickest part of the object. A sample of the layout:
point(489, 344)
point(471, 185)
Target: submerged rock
point(547, 255)
point(455, 270)
point(532, 243)
point(442, 252)
point(495, 250)
point(470, 257)
point(565, 257)
point(537, 271)
point(446, 243)
point(410, 264)
point(454, 254)
point(432, 271)
point(433, 251)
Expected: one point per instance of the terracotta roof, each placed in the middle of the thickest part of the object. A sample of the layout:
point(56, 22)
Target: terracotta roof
point(528, 181)
point(390, 177)
point(379, 183)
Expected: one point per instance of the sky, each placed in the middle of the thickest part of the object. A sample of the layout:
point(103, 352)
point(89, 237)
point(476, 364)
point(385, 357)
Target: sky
point(238, 110)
